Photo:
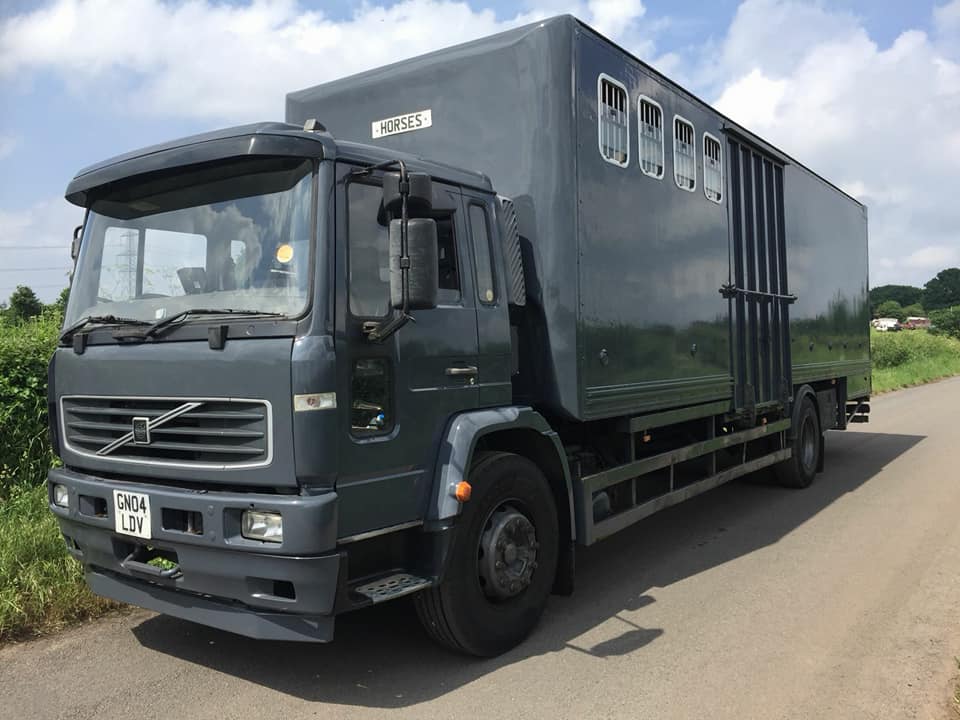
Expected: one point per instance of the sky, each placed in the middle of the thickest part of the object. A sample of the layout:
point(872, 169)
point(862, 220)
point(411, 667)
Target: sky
point(864, 92)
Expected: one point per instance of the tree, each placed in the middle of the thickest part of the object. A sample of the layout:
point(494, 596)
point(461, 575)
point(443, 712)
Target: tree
point(947, 321)
point(903, 294)
point(24, 304)
point(60, 304)
point(943, 291)
point(891, 309)
point(915, 310)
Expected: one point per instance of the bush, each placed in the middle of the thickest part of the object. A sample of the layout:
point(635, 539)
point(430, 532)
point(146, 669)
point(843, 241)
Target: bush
point(892, 349)
point(947, 321)
point(911, 358)
point(25, 350)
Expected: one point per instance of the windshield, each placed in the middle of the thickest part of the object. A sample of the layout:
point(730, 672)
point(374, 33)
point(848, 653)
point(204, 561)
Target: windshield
point(232, 235)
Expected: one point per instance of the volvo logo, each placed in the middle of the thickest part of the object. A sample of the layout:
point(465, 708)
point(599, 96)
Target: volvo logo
point(140, 434)
point(141, 430)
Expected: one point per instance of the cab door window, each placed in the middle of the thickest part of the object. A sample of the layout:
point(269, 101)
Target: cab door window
point(482, 254)
point(368, 254)
point(368, 242)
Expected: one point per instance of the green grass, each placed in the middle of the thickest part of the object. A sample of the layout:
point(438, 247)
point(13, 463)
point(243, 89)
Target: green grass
point(912, 357)
point(41, 586)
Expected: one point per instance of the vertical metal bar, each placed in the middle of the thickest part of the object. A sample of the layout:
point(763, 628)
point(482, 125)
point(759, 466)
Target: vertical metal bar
point(784, 279)
point(764, 305)
point(773, 258)
point(736, 304)
point(753, 359)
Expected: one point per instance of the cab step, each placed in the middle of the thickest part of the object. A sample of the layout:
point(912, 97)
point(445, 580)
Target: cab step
point(392, 586)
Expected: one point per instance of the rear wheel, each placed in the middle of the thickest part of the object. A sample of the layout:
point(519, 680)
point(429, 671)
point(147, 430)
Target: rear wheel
point(502, 563)
point(807, 445)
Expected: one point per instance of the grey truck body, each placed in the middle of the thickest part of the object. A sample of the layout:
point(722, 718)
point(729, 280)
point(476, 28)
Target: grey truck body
point(646, 307)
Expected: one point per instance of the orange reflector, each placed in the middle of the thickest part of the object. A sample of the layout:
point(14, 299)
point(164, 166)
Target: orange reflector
point(646, 438)
point(462, 491)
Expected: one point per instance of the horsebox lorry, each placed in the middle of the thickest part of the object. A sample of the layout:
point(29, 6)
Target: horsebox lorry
point(453, 318)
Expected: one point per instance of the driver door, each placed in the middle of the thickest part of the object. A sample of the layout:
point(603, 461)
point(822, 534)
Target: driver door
point(401, 392)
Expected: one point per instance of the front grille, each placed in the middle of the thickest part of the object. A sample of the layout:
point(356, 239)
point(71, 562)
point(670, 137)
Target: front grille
point(207, 433)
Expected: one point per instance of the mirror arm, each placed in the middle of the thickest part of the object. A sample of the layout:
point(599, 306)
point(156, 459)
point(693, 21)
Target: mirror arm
point(378, 332)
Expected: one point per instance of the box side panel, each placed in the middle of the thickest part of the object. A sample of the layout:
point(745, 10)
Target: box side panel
point(655, 329)
point(826, 236)
point(501, 106)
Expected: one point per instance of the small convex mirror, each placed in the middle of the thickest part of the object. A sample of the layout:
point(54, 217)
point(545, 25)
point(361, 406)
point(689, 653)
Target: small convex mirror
point(75, 244)
point(423, 275)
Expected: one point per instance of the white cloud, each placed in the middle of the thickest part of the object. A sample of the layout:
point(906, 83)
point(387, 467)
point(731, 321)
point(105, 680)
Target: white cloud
point(37, 237)
point(214, 60)
point(883, 123)
point(933, 258)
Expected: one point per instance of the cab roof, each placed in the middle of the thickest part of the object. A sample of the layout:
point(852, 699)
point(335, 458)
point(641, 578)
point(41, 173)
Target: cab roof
point(265, 138)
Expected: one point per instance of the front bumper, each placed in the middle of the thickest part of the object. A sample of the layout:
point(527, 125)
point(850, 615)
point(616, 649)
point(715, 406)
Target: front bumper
point(283, 591)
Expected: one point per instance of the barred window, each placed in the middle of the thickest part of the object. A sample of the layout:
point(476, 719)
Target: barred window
point(712, 168)
point(650, 120)
point(684, 153)
point(613, 121)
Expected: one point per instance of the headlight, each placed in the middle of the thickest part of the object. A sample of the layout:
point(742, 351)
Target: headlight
point(60, 496)
point(266, 526)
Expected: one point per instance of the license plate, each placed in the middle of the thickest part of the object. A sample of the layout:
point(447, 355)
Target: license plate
point(131, 513)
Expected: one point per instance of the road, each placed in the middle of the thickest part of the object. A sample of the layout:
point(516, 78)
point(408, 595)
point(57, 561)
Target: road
point(840, 601)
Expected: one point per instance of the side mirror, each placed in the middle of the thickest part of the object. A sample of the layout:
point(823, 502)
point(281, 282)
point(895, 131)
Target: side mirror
point(419, 200)
point(423, 275)
point(75, 245)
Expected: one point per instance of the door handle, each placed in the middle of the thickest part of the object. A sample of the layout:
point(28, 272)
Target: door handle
point(461, 371)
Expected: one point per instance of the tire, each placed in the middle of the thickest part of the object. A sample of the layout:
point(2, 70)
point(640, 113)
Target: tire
point(480, 610)
point(806, 442)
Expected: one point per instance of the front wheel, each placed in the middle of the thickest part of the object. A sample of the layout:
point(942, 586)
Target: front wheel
point(807, 446)
point(502, 563)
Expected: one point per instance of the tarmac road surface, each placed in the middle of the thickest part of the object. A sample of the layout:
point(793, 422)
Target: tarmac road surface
point(840, 601)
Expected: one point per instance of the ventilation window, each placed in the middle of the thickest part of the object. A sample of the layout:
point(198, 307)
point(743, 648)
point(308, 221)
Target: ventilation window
point(614, 121)
point(712, 168)
point(650, 116)
point(684, 156)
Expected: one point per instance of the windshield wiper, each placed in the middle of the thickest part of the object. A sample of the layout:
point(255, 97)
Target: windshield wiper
point(98, 320)
point(176, 318)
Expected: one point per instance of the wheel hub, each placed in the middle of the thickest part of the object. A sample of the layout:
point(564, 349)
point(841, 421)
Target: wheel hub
point(507, 553)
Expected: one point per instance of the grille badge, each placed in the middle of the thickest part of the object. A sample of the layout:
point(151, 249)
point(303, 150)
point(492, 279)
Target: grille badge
point(149, 424)
point(141, 430)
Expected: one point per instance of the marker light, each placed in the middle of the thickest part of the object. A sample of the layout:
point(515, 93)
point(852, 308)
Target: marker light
point(60, 496)
point(265, 526)
point(462, 491)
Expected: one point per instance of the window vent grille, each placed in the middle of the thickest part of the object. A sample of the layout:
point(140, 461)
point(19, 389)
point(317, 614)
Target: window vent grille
point(650, 116)
point(684, 154)
point(712, 168)
point(613, 121)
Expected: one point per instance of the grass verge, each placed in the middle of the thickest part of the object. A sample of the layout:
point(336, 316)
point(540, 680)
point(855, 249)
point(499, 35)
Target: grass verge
point(911, 358)
point(41, 586)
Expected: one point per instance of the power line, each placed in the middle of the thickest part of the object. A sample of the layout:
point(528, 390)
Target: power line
point(33, 269)
point(35, 247)
point(47, 285)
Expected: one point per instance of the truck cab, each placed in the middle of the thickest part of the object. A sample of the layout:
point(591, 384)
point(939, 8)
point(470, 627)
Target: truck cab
point(239, 444)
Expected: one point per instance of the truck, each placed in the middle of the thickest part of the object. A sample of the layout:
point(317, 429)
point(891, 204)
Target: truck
point(453, 319)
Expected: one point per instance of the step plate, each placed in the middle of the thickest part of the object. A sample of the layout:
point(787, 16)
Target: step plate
point(393, 586)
